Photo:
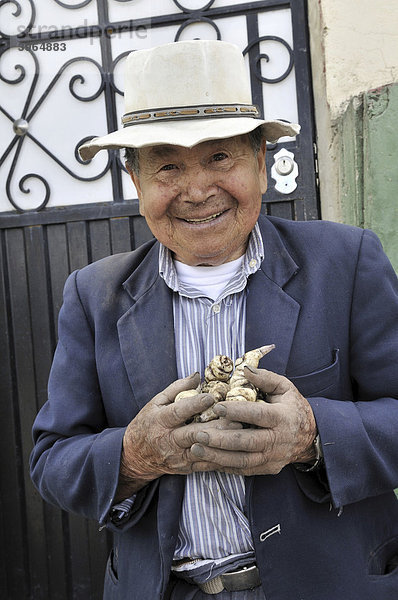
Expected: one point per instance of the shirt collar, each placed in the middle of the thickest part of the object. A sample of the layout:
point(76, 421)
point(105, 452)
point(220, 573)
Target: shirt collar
point(253, 258)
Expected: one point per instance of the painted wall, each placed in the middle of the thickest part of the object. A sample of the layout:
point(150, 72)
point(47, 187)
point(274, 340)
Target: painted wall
point(368, 146)
point(354, 52)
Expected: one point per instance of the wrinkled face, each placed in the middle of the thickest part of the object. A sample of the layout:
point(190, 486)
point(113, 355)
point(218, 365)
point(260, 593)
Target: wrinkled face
point(202, 202)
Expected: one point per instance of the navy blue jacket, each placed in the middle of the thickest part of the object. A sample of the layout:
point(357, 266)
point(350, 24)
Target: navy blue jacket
point(327, 296)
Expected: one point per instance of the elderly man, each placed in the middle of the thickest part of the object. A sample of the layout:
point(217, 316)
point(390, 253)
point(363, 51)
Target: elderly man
point(287, 499)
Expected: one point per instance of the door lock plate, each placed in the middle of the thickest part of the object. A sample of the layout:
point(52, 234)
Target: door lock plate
point(284, 171)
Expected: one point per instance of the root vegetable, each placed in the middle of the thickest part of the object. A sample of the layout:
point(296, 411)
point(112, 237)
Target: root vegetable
point(219, 390)
point(219, 369)
point(226, 383)
point(186, 394)
point(238, 380)
point(242, 393)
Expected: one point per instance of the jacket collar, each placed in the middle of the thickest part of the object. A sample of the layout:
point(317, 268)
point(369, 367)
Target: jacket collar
point(278, 264)
point(144, 275)
point(271, 312)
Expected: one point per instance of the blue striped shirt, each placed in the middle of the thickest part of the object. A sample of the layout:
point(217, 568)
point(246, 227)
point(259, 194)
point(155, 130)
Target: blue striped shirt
point(213, 524)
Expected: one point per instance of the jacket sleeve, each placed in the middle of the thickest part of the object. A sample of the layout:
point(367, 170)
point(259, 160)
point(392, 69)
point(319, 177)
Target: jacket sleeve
point(76, 456)
point(359, 439)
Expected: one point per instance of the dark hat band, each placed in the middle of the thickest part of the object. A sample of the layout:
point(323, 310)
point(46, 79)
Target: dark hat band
point(190, 112)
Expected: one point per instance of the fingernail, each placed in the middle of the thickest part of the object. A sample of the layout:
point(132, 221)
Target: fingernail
point(208, 400)
point(220, 410)
point(198, 450)
point(203, 438)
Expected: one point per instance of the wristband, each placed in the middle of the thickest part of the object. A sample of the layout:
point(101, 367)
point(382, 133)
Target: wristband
point(307, 468)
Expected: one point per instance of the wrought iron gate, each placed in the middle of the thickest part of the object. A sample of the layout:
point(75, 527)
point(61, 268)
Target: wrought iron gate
point(58, 214)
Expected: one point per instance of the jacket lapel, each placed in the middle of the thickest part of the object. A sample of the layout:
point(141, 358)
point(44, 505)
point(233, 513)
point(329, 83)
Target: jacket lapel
point(271, 314)
point(146, 331)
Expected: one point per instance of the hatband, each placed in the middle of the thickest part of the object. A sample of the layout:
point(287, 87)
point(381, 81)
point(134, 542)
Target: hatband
point(190, 112)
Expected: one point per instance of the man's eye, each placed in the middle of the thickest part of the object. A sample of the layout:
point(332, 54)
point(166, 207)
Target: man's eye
point(168, 167)
point(219, 156)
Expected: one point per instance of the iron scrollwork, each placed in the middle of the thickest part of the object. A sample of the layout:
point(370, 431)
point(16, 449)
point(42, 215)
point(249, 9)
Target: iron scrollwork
point(259, 57)
point(114, 64)
point(197, 20)
point(18, 13)
point(73, 6)
point(190, 10)
point(21, 126)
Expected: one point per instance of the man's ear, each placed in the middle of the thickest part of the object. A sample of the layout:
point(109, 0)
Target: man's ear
point(262, 169)
point(136, 180)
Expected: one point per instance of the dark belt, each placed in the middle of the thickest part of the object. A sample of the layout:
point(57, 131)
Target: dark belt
point(245, 578)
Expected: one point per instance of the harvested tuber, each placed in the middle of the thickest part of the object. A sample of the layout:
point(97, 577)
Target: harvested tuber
point(240, 387)
point(226, 383)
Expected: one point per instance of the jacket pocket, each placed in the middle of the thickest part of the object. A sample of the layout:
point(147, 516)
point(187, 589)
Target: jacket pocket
point(312, 384)
point(383, 561)
point(111, 568)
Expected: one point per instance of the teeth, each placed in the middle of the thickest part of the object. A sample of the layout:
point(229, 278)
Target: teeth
point(203, 220)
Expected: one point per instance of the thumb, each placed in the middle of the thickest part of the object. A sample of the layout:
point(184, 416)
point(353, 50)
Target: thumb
point(168, 395)
point(267, 381)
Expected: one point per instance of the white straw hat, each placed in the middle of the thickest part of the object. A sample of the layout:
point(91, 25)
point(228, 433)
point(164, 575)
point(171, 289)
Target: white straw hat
point(185, 93)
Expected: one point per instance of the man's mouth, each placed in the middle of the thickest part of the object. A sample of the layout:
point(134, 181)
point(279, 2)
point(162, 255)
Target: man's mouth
point(206, 219)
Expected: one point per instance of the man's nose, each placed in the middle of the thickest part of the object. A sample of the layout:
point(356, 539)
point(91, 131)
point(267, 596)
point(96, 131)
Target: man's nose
point(198, 186)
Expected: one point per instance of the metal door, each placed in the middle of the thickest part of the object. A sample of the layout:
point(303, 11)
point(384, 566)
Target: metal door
point(61, 66)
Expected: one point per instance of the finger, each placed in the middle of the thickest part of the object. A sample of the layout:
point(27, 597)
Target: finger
point(268, 381)
point(168, 394)
point(179, 412)
point(227, 459)
point(243, 440)
point(220, 423)
point(186, 435)
point(264, 468)
point(203, 466)
point(260, 414)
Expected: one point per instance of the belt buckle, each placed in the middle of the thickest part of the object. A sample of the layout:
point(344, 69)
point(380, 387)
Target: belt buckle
point(245, 578)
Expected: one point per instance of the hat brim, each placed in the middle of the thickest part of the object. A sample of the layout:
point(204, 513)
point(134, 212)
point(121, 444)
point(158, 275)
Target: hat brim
point(182, 133)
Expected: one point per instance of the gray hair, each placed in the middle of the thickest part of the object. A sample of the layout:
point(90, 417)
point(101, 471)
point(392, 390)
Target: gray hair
point(131, 155)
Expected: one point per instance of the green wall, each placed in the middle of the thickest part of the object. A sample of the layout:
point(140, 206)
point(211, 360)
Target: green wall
point(368, 140)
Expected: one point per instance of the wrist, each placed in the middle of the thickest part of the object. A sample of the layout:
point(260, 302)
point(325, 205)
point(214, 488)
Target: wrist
point(134, 471)
point(129, 482)
point(316, 457)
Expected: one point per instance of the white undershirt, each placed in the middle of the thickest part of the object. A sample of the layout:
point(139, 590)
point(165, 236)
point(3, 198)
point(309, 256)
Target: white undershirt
point(211, 281)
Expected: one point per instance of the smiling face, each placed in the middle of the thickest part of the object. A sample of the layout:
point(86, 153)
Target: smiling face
point(202, 202)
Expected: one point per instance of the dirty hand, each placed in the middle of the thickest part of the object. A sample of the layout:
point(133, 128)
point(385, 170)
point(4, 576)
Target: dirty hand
point(282, 430)
point(158, 440)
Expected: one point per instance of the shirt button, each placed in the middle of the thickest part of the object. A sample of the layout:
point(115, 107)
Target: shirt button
point(216, 308)
point(252, 263)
